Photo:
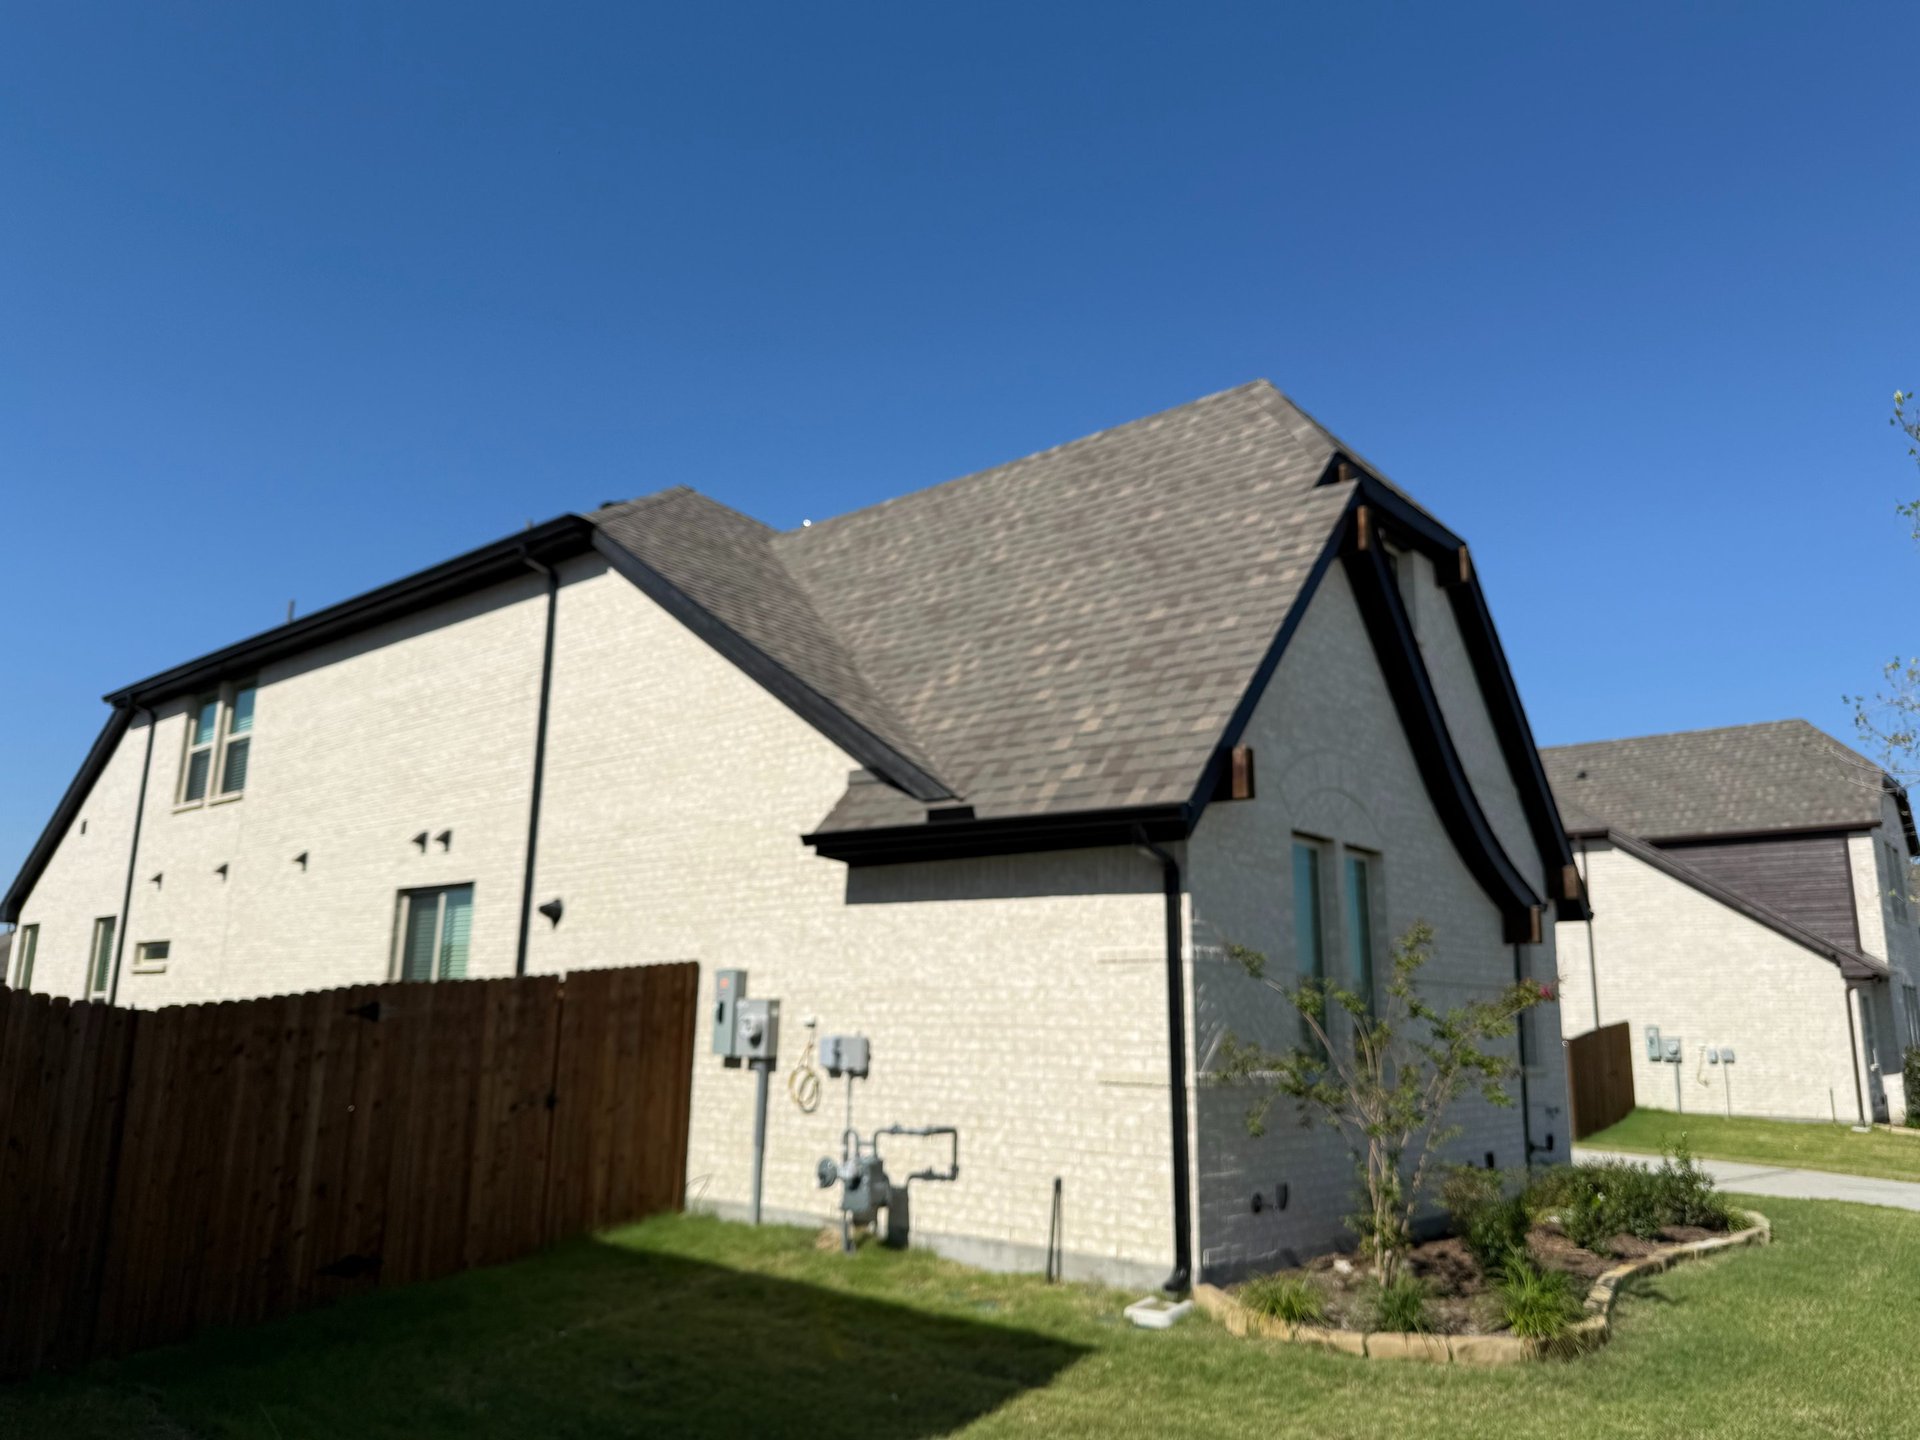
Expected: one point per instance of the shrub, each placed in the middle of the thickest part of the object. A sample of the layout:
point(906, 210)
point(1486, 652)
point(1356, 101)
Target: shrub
point(1686, 1191)
point(1597, 1202)
point(1552, 1188)
point(1285, 1297)
point(1910, 1079)
point(1401, 1305)
point(1493, 1224)
point(1536, 1304)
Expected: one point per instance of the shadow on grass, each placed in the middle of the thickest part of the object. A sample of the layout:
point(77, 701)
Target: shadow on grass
point(588, 1340)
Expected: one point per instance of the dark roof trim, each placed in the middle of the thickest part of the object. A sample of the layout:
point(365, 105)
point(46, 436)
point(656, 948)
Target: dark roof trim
point(65, 813)
point(1005, 835)
point(786, 687)
point(1263, 674)
point(1709, 837)
point(1454, 570)
point(463, 575)
point(476, 570)
point(1905, 808)
point(1418, 704)
point(1852, 964)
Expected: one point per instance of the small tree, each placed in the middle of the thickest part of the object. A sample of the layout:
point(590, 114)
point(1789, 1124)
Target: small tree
point(1384, 1081)
point(1888, 721)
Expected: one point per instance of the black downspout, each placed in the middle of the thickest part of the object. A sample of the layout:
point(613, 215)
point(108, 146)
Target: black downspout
point(539, 764)
point(133, 854)
point(1853, 1045)
point(1520, 1044)
point(1593, 963)
point(1181, 1279)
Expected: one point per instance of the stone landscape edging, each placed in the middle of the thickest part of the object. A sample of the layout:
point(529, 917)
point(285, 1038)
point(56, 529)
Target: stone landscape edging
point(1580, 1337)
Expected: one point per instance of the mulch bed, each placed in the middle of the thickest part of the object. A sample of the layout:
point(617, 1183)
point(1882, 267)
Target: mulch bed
point(1461, 1301)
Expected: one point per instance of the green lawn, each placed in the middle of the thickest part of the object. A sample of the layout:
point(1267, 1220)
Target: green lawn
point(691, 1327)
point(1880, 1153)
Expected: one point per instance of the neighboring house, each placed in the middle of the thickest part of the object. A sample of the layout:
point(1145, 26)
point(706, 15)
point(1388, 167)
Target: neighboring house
point(971, 771)
point(1750, 891)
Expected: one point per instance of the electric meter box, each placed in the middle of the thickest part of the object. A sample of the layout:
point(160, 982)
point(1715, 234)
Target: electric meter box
point(758, 1029)
point(729, 989)
point(845, 1055)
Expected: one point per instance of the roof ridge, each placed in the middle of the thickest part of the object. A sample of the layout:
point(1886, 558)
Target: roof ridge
point(1250, 386)
point(1700, 730)
point(675, 492)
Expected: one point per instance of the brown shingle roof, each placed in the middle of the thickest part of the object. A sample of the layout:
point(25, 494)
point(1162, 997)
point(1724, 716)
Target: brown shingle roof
point(1742, 779)
point(1067, 632)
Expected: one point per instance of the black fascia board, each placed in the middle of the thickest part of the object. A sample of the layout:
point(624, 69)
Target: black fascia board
point(1004, 835)
point(558, 539)
point(1474, 618)
point(1852, 963)
point(1242, 715)
point(66, 812)
point(1515, 735)
point(786, 687)
point(1421, 718)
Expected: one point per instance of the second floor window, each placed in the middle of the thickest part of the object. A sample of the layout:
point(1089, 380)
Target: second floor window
point(219, 742)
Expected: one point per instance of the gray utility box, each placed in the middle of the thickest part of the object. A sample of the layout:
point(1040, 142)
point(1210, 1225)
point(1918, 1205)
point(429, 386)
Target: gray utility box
point(729, 989)
point(759, 1030)
point(845, 1055)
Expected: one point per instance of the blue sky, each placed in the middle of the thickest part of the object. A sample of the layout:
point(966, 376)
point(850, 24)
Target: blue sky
point(297, 299)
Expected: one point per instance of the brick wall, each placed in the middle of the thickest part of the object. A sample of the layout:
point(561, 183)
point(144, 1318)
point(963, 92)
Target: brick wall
point(1670, 956)
point(1020, 999)
point(1334, 763)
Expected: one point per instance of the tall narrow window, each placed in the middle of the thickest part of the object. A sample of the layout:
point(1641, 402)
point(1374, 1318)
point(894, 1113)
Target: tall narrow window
point(1360, 926)
point(431, 933)
point(1308, 946)
point(100, 965)
point(233, 755)
point(202, 725)
point(25, 943)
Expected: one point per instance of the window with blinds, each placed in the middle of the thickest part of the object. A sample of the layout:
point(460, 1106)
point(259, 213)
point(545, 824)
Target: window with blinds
point(431, 933)
point(100, 962)
point(219, 745)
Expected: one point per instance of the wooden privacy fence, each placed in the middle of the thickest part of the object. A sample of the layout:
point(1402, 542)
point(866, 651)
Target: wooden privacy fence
point(221, 1164)
point(1600, 1078)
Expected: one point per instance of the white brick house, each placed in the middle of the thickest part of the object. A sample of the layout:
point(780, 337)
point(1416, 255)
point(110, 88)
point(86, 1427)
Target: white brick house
point(972, 772)
point(1750, 892)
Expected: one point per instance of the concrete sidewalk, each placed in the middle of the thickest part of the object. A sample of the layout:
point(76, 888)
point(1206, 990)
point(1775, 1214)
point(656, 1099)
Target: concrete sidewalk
point(1793, 1184)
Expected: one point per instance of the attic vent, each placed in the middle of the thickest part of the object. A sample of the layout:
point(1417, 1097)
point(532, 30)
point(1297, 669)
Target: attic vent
point(949, 812)
point(1579, 774)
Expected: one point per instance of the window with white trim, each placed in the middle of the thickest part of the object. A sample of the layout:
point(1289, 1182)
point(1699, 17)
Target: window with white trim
point(219, 744)
point(25, 941)
point(100, 957)
point(150, 956)
point(431, 930)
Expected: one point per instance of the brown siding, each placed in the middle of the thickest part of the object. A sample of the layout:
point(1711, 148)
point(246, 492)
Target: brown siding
point(1804, 877)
